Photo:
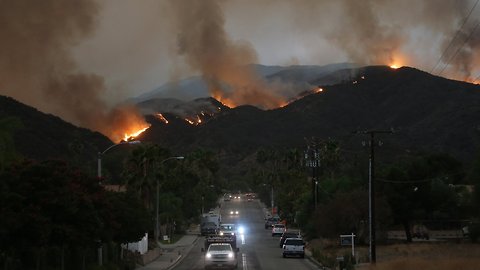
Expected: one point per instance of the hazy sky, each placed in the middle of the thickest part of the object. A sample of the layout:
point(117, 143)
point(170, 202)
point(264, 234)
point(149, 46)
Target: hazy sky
point(134, 45)
point(81, 59)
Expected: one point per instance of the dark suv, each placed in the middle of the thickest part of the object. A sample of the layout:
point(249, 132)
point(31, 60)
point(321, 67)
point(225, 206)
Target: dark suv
point(271, 221)
point(289, 234)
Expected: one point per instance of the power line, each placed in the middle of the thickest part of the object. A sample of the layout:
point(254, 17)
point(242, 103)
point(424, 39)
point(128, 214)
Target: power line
point(454, 37)
point(458, 50)
point(476, 79)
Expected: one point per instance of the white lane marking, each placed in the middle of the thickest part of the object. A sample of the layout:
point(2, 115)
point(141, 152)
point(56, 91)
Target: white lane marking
point(244, 261)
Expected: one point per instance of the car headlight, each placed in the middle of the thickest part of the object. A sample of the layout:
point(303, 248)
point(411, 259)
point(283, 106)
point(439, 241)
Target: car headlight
point(241, 230)
point(208, 255)
point(230, 255)
point(236, 212)
point(231, 212)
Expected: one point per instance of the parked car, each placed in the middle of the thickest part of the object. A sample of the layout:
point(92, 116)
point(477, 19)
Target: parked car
point(294, 247)
point(271, 221)
point(278, 229)
point(289, 234)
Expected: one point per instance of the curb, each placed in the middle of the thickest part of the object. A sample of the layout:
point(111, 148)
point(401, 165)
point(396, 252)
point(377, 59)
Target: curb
point(181, 256)
point(314, 261)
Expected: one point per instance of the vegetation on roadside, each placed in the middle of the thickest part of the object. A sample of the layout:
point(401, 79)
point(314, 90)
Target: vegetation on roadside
point(55, 216)
point(418, 189)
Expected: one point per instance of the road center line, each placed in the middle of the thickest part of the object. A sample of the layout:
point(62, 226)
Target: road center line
point(244, 261)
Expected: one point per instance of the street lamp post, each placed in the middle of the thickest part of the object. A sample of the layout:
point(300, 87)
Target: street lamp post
point(99, 175)
point(157, 229)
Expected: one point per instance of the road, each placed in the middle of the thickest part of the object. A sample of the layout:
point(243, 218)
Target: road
point(258, 249)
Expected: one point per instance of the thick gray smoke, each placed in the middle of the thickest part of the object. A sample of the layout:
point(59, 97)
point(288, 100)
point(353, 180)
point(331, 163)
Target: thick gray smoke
point(223, 63)
point(377, 32)
point(215, 38)
point(36, 65)
point(369, 32)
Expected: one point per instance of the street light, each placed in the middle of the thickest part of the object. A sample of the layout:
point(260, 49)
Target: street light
point(99, 175)
point(100, 154)
point(157, 229)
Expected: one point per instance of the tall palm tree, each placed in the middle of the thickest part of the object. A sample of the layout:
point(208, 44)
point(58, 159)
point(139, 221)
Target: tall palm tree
point(142, 171)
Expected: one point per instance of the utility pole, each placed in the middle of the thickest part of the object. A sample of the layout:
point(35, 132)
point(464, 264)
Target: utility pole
point(371, 191)
point(312, 160)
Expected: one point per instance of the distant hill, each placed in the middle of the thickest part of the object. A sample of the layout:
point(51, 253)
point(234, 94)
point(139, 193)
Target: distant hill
point(194, 87)
point(45, 136)
point(428, 113)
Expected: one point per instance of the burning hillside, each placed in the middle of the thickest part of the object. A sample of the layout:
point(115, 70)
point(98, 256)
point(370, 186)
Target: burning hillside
point(38, 67)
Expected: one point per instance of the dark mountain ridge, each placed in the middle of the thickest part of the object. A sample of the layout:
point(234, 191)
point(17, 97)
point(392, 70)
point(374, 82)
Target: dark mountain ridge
point(428, 113)
point(44, 136)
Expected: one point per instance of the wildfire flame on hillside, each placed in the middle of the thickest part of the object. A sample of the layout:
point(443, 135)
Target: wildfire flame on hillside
point(125, 123)
point(161, 118)
point(134, 134)
point(196, 121)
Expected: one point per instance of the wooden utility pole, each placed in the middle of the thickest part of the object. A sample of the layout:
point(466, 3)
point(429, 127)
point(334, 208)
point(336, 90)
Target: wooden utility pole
point(371, 191)
point(312, 160)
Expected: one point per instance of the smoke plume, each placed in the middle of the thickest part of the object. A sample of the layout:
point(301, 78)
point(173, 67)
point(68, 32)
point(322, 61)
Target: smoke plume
point(36, 66)
point(375, 40)
point(224, 63)
point(370, 32)
point(409, 32)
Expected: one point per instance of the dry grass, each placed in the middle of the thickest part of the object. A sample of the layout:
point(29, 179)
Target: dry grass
point(421, 256)
point(429, 264)
point(428, 256)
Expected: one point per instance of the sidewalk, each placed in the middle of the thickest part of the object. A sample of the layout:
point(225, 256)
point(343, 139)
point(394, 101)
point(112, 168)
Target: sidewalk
point(171, 254)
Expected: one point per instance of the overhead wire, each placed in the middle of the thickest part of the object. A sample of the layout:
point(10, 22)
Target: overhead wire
point(454, 37)
point(461, 47)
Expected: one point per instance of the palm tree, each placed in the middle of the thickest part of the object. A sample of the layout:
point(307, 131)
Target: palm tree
point(142, 171)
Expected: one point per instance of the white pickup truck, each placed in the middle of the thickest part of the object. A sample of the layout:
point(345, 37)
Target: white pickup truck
point(294, 247)
point(221, 255)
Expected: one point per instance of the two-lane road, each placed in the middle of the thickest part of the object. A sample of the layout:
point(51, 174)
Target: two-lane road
point(258, 249)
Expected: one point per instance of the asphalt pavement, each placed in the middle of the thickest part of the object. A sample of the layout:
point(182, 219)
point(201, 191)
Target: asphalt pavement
point(172, 253)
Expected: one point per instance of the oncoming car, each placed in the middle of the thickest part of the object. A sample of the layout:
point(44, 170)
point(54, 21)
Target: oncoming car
point(227, 229)
point(220, 255)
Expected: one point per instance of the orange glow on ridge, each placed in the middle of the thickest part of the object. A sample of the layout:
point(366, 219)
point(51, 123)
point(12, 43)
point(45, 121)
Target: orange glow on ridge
point(161, 118)
point(134, 134)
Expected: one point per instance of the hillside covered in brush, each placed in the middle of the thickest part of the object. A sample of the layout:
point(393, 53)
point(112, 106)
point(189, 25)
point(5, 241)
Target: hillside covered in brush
point(426, 112)
point(41, 136)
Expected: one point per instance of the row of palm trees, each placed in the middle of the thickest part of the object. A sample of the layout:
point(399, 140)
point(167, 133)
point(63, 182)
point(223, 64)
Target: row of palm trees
point(183, 185)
